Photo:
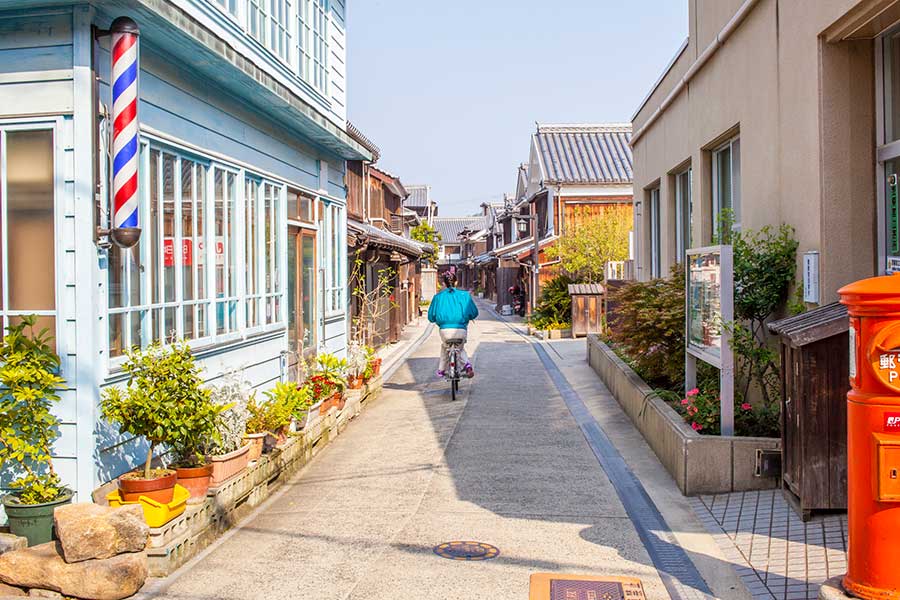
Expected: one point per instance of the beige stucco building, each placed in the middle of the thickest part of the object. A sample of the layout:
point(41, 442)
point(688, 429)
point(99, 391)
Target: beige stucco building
point(785, 112)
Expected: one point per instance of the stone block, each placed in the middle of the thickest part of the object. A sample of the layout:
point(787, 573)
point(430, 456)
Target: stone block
point(8, 591)
point(43, 567)
point(38, 593)
point(10, 542)
point(88, 531)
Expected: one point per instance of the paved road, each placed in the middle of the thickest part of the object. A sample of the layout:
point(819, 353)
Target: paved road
point(506, 464)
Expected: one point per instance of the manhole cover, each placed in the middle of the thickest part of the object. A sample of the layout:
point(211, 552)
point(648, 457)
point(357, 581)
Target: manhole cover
point(466, 551)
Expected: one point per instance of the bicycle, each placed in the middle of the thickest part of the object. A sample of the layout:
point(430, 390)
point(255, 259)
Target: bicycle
point(453, 349)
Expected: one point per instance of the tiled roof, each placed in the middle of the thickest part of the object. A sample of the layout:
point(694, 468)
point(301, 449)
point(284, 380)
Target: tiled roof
point(585, 153)
point(365, 142)
point(385, 239)
point(419, 195)
point(450, 227)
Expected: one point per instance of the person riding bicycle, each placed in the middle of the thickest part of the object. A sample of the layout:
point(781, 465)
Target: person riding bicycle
point(452, 309)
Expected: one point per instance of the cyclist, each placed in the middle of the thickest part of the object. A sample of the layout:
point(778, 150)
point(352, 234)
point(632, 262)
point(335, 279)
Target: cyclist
point(452, 309)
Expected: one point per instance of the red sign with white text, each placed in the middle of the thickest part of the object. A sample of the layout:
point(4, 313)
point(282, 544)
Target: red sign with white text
point(892, 421)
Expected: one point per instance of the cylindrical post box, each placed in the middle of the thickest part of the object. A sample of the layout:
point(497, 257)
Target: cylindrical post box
point(873, 438)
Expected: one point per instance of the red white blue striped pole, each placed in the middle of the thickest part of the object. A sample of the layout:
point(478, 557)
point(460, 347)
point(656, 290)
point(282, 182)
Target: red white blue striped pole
point(124, 53)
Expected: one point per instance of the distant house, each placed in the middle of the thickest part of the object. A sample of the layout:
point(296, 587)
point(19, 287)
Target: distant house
point(419, 201)
point(376, 224)
point(574, 171)
point(451, 231)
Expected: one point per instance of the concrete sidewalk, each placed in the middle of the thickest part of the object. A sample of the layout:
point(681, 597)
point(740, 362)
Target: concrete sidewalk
point(506, 464)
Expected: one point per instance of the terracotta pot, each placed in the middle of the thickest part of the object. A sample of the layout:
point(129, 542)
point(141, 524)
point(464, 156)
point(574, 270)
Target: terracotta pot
point(355, 383)
point(160, 489)
point(376, 367)
point(226, 466)
point(339, 400)
point(327, 404)
point(255, 440)
point(195, 480)
point(281, 436)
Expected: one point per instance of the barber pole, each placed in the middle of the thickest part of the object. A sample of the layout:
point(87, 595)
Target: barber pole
point(124, 52)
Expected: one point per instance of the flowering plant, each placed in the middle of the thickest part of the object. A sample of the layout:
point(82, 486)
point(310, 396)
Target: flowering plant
point(701, 411)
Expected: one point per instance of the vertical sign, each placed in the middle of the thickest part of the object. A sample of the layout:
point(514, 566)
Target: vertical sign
point(811, 277)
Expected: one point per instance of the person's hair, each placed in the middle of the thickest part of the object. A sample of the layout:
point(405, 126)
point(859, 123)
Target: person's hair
point(449, 279)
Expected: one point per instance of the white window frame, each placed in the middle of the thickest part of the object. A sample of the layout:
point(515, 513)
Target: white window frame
point(146, 306)
point(274, 26)
point(333, 263)
point(55, 126)
point(312, 43)
point(886, 149)
point(683, 213)
point(733, 146)
point(655, 234)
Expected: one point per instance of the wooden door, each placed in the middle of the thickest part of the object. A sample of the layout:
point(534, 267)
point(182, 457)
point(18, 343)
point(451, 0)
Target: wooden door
point(579, 315)
point(790, 425)
point(301, 296)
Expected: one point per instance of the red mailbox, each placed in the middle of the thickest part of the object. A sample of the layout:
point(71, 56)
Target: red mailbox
point(873, 438)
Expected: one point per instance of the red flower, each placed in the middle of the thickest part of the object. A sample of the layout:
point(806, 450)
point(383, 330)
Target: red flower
point(746, 406)
point(696, 426)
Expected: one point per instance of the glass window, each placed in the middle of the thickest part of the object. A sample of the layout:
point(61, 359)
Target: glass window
point(892, 87)
point(229, 5)
point(28, 282)
point(300, 206)
point(683, 214)
point(312, 35)
point(726, 185)
point(331, 225)
point(268, 21)
point(209, 275)
point(655, 256)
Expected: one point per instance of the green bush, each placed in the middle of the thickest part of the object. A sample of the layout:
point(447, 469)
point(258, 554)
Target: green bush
point(27, 427)
point(649, 328)
point(163, 401)
point(555, 304)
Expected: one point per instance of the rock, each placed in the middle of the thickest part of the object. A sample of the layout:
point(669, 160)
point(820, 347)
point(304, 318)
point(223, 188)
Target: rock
point(43, 567)
point(10, 542)
point(87, 531)
point(36, 593)
point(8, 591)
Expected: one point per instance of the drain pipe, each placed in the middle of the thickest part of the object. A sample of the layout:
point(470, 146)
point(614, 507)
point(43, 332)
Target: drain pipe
point(698, 64)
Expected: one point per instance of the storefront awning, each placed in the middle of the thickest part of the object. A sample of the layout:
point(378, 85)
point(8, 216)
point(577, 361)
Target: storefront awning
point(369, 235)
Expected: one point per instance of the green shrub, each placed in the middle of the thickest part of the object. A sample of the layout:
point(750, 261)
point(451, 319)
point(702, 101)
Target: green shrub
point(554, 305)
point(27, 427)
point(163, 401)
point(649, 328)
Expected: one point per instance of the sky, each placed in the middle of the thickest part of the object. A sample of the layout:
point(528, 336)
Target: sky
point(450, 90)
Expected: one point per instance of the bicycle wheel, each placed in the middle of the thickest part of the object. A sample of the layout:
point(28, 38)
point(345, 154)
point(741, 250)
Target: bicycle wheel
point(454, 386)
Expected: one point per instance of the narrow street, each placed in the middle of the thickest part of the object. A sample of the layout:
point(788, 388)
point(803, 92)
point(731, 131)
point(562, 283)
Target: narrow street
point(506, 465)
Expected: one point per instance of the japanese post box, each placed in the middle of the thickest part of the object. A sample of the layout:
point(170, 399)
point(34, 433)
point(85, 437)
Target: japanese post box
point(873, 438)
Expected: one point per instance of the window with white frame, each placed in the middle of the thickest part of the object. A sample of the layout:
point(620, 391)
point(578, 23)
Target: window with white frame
point(726, 185)
point(333, 245)
point(27, 225)
point(230, 6)
point(312, 36)
point(683, 214)
point(196, 274)
point(269, 22)
point(655, 255)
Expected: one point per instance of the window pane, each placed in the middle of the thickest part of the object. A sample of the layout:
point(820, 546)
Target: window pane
point(187, 229)
point(199, 253)
point(736, 181)
point(220, 234)
point(30, 230)
point(723, 171)
point(153, 226)
point(168, 197)
point(43, 322)
point(308, 289)
point(116, 334)
point(231, 238)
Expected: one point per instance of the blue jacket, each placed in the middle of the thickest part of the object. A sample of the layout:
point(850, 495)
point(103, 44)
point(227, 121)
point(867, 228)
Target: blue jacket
point(452, 309)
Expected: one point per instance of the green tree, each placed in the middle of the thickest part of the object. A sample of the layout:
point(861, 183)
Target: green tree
point(590, 241)
point(426, 234)
point(28, 428)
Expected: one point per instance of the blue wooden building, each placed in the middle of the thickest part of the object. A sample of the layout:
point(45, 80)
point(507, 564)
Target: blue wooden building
point(242, 199)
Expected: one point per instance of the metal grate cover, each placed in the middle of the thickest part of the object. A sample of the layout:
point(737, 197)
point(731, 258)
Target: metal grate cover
point(466, 550)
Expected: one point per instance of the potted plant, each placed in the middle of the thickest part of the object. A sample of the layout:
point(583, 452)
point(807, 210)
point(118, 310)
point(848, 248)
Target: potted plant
point(29, 379)
point(357, 363)
point(284, 400)
point(268, 417)
point(156, 404)
point(200, 427)
point(228, 454)
point(328, 381)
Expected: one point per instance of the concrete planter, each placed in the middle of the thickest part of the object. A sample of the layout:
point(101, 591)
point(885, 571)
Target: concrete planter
point(699, 464)
point(550, 334)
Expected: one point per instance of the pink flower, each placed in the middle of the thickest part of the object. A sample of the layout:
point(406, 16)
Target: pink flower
point(746, 406)
point(696, 426)
point(693, 392)
point(685, 402)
